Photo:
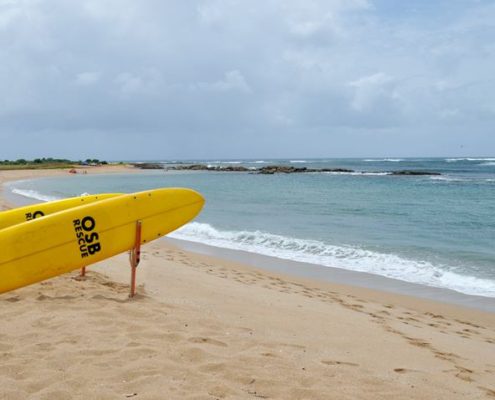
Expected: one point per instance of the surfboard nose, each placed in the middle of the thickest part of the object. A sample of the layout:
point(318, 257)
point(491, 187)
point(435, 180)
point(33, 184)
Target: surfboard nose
point(197, 197)
point(191, 197)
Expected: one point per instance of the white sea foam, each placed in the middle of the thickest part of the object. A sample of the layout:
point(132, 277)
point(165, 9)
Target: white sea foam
point(383, 160)
point(223, 162)
point(470, 159)
point(488, 164)
point(345, 257)
point(33, 194)
point(298, 161)
point(446, 178)
point(259, 162)
point(357, 173)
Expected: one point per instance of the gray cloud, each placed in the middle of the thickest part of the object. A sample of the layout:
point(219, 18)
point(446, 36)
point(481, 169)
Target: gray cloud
point(231, 78)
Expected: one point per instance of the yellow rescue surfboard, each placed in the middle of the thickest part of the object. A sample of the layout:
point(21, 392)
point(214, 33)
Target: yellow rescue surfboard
point(33, 211)
point(67, 240)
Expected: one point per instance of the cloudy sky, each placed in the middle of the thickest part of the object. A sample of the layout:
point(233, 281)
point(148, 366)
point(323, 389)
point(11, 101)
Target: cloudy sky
point(156, 79)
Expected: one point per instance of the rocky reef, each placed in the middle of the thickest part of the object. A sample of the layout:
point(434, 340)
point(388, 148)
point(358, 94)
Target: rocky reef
point(413, 172)
point(269, 169)
point(277, 169)
point(147, 165)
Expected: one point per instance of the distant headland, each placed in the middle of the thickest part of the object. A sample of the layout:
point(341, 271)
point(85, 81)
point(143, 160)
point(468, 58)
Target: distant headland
point(48, 163)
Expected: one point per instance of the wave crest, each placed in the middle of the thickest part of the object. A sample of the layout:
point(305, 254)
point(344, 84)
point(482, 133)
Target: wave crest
point(33, 194)
point(450, 160)
point(383, 160)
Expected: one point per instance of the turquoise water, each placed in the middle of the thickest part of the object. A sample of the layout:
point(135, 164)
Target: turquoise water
point(433, 230)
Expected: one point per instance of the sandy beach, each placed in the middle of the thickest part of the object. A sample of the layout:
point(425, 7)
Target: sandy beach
point(203, 327)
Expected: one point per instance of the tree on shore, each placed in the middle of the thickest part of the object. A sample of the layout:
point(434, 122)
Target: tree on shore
point(50, 161)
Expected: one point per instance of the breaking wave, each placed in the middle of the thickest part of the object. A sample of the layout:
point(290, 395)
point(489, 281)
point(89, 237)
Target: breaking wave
point(345, 257)
point(33, 194)
point(450, 160)
point(383, 160)
point(358, 173)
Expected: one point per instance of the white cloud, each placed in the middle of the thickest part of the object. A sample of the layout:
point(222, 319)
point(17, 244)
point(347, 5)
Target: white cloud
point(87, 78)
point(371, 90)
point(306, 18)
point(213, 11)
point(10, 12)
point(232, 81)
point(146, 82)
point(129, 83)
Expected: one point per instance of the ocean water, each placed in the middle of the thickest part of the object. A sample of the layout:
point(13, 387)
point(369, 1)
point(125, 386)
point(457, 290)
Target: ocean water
point(432, 230)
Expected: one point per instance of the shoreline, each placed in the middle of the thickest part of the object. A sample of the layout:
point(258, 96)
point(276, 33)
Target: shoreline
point(340, 276)
point(204, 326)
point(288, 268)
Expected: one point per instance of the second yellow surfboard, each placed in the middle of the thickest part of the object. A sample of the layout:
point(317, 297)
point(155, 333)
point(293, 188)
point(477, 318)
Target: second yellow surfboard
point(33, 211)
point(67, 240)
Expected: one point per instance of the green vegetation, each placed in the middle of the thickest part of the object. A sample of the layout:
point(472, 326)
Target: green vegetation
point(46, 163)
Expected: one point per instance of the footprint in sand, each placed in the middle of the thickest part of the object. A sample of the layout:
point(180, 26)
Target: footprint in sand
point(207, 341)
point(43, 297)
point(469, 324)
point(335, 362)
point(13, 299)
point(268, 354)
point(489, 392)
point(464, 373)
point(417, 342)
point(446, 356)
point(403, 370)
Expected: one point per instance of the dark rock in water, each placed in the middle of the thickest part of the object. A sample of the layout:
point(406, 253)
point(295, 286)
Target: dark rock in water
point(194, 167)
point(413, 172)
point(335, 170)
point(268, 170)
point(284, 169)
point(272, 169)
point(148, 166)
point(233, 168)
point(202, 167)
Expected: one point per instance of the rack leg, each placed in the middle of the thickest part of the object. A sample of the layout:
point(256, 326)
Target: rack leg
point(135, 257)
point(83, 272)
